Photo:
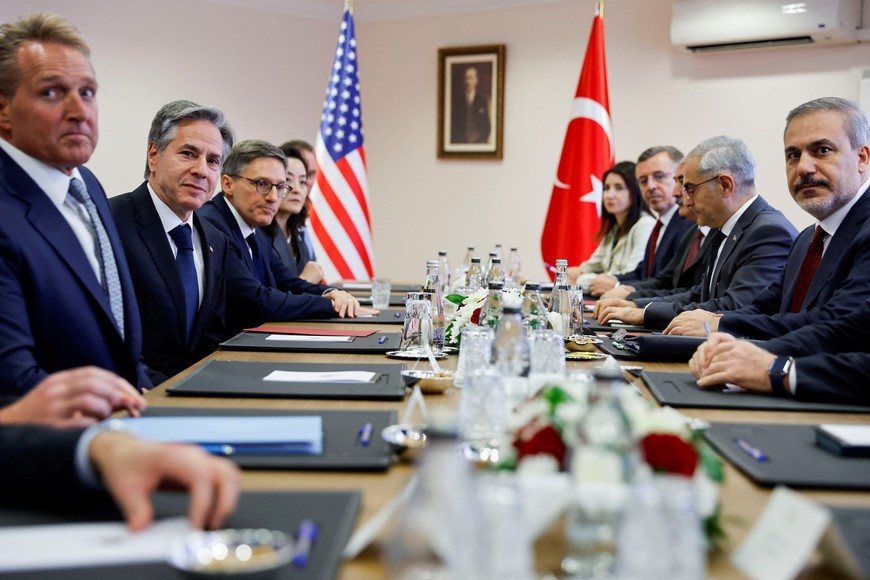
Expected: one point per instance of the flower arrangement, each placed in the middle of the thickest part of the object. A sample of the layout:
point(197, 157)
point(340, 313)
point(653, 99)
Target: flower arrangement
point(543, 437)
point(468, 310)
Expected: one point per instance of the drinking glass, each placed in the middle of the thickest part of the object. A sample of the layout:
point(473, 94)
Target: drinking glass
point(575, 299)
point(381, 288)
point(548, 353)
point(418, 318)
point(475, 351)
point(482, 409)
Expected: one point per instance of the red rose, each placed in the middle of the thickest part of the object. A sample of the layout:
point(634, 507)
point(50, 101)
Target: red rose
point(475, 316)
point(670, 454)
point(533, 441)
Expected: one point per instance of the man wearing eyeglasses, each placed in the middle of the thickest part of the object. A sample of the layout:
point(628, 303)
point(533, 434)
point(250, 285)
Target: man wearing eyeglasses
point(751, 244)
point(253, 181)
point(656, 174)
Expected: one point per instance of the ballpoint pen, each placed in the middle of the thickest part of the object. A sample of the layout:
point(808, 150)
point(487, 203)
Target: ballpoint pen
point(382, 340)
point(306, 534)
point(753, 452)
point(365, 434)
point(707, 329)
point(549, 267)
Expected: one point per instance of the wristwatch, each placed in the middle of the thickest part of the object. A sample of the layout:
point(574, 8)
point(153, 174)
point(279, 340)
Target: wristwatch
point(778, 371)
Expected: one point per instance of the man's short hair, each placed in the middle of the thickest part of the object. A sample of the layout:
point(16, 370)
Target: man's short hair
point(855, 119)
point(299, 144)
point(723, 153)
point(674, 153)
point(42, 27)
point(245, 152)
point(164, 127)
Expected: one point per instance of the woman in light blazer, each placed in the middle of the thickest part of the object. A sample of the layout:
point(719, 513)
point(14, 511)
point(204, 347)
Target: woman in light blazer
point(626, 225)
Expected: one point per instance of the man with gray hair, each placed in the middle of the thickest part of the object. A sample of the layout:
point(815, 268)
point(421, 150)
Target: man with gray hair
point(751, 244)
point(827, 275)
point(253, 181)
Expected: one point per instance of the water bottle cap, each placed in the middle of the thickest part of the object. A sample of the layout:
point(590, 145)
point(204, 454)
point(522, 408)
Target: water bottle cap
point(511, 310)
point(442, 252)
point(561, 262)
point(533, 286)
point(475, 260)
point(496, 260)
point(513, 248)
point(495, 285)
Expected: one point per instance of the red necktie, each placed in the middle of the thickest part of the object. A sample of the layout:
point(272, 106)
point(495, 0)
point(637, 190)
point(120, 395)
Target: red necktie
point(808, 269)
point(693, 250)
point(653, 241)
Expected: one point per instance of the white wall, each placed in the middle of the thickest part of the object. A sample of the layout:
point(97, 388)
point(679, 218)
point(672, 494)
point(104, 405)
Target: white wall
point(147, 53)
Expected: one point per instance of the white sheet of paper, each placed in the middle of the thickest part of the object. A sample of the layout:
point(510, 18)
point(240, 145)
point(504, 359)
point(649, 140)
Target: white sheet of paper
point(92, 544)
point(783, 538)
point(325, 377)
point(308, 338)
point(849, 434)
point(357, 286)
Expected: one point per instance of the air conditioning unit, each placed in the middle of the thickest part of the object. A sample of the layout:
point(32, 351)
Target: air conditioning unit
point(714, 25)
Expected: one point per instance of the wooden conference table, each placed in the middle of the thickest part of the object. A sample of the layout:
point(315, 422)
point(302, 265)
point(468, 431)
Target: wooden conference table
point(742, 500)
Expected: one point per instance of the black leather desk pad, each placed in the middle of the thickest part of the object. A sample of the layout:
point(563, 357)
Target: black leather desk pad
point(226, 378)
point(358, 344)
point(793, 458)
point(333, 512)
point(680, 390)
point(342, 450)
point(853, 525)
point(389, 316)
point(366, 299)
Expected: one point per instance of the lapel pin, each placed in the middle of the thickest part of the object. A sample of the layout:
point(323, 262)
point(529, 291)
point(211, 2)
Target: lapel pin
point(210, 249)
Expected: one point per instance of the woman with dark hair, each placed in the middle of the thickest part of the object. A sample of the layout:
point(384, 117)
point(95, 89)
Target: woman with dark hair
point(288, 226)
point(626, 225)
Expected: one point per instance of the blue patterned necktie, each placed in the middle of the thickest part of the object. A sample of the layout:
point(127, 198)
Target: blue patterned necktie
point(108, 268)
point(256, 258)
point(186, 268)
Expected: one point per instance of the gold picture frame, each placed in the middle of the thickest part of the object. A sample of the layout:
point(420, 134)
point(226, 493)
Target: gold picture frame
point(471, 102)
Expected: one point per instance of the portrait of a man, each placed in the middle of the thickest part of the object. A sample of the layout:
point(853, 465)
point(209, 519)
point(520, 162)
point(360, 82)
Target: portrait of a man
point(471, 122)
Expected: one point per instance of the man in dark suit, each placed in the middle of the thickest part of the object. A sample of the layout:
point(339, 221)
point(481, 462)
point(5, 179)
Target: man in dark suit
point(827, 275)
point(189, 286)
point(470, 114)
point(253, 180)
point(656, 174)
point(65, 467)
point(66, 296)
point(751, 245)
point(827, 361)
point(684, 270)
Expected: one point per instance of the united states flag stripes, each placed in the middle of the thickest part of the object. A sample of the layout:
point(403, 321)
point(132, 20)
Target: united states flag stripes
point(340, 218)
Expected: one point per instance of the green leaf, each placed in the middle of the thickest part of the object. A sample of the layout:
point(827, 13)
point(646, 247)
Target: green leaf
point(710, 461)
point(455, 298)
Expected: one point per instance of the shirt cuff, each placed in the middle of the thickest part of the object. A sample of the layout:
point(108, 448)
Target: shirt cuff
point(328, 290)
point(793, 379)
point(84, 469)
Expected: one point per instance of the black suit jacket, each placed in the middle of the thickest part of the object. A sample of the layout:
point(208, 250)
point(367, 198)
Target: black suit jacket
point(666, 247)
point(752, 256)
point(476, 115)
point(159, 290)
point(672, 279)
point(840, 286)
point(38, 462)
point(276, 299)
point(832, 357)
point(54, 314)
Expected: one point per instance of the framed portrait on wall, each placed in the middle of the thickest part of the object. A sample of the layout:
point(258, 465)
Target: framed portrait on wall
point(471, 102)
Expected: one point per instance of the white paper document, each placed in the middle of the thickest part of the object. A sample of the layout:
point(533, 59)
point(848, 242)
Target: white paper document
point(785, 536)
point(308, 338)
point(357, 286)
point(856, 435)
point(324, 377)
point(93, 544)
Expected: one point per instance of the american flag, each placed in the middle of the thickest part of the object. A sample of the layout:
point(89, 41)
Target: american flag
point(340, 216)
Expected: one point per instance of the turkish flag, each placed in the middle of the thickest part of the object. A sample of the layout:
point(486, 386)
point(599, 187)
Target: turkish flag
point(575, 205)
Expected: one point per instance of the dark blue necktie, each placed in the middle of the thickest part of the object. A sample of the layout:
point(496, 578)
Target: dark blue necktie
point(256, 258)
point(187, 270)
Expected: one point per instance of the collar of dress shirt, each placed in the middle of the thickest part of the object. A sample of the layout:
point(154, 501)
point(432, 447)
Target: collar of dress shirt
point(53, 181)
point(704, 230)
point(833, 221)
point(668, 216)
point(168, 218)
point(732, 221)
point(243, 226)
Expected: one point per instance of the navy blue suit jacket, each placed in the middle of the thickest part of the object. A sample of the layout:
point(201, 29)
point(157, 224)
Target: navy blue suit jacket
point(666, 247)
point(166, 349)
point(840, 286)
point(54, 314)
point(672, 279)
point(282, 296)
point(832, 358)
point(751, 259)
point(39, 462)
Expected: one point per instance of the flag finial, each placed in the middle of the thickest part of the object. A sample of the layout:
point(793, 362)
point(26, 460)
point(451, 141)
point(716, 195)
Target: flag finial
point(348, 5)
point(599, 8)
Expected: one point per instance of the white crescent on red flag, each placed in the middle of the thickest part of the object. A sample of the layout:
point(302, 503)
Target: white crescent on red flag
point(575, 204)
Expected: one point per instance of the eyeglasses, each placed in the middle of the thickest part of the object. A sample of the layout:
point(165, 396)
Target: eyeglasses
point(659, 176)
point(264, 187)
point(689, 190)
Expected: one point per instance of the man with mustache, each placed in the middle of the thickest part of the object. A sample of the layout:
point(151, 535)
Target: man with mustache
point(253, 181)
point(827, 275)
